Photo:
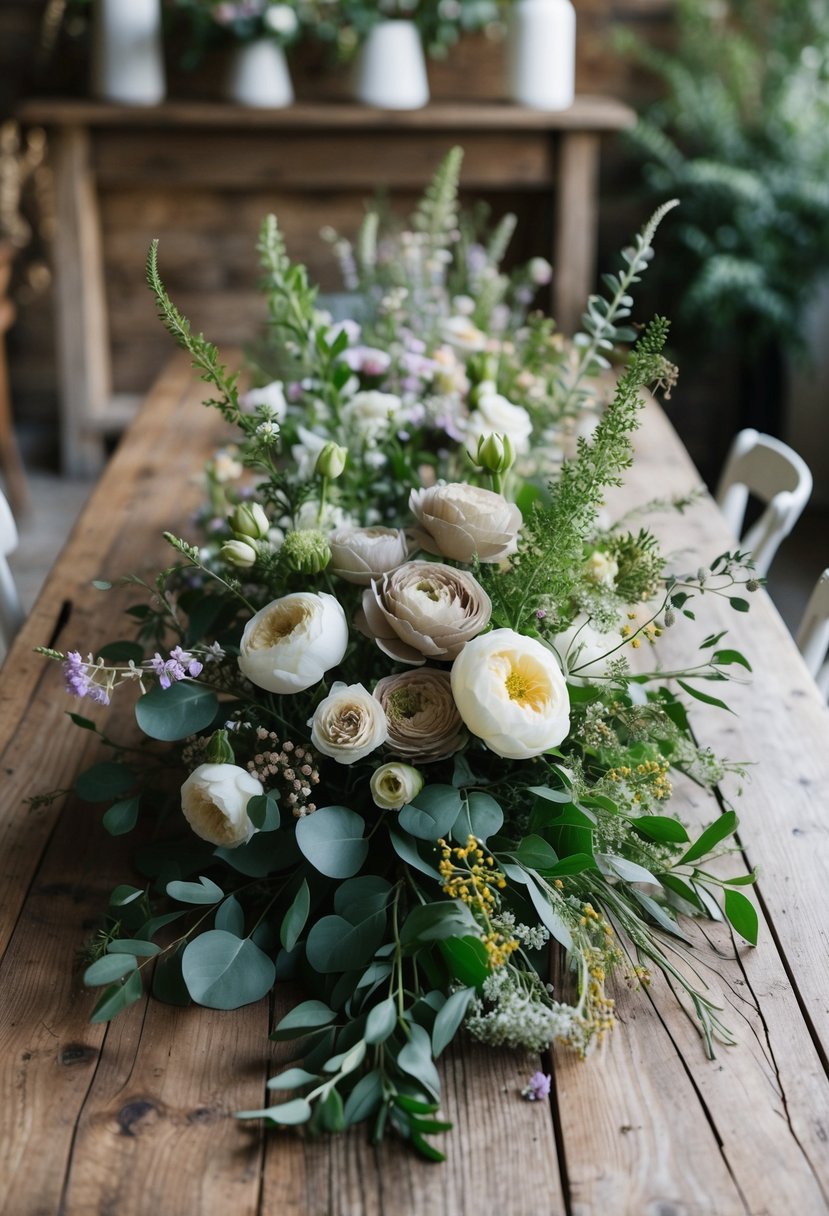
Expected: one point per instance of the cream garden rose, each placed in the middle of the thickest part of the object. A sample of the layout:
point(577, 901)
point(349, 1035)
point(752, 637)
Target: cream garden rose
point(424, 610)
point(394, 785)
point(214, 800)
point(348, 724)
point(463, 522)
point(510, 692)
point(360, 554)
point(291, 643)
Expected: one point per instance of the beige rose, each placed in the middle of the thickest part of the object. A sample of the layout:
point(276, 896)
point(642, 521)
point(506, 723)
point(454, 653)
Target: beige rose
point(423, 720)
point(360, 554)
point(424, 610)
point(348, 724)
point(463, 522)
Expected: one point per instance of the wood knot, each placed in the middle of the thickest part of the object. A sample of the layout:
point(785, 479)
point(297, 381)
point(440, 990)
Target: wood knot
point(133, 1114)
point(78, 1053)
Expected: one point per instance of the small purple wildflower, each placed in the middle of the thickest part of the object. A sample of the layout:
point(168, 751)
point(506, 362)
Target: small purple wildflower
point(194, 667)
point(540, 614)
point(78, 683)
point(538, 1088)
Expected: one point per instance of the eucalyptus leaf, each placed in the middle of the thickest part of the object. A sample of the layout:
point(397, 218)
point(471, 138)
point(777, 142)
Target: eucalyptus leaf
point(104, 781)
point(549, 917)
point(287, 1114)
point(230, 917)
point(122, 816)
point(407, 850)
point(364, 1098)
point(224, 972)
point(109, 968)
point(124, 895)
point(205, 891)
point(310, 1015)
point(173, 713)
point(449, 1019)
point(432, 814)
point(295, 918)
point(480, 816)
point(415, 1058)
point(381, 1021)
point(334, 944)
point(292, 1078)
point(332, 839)
point(133, 945)
point(118, 997)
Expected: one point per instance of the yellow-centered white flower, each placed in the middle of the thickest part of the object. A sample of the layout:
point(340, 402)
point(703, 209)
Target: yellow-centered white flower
point(510, 692)
point(214, 799)
point(291, 643)
point(394, 785)
point(348, 724)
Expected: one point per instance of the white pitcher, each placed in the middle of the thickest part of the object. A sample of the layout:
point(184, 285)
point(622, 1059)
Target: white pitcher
point(127, 52)
point(392, 68)
point(258, 75)
point(541, 54)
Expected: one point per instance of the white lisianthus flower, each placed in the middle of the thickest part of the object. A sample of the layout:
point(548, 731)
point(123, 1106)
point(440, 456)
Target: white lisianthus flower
point(510, 692)
point(371, 411)
point(214, 799)
point(348, 724)
point(291, 643)
point(394, 785)
point(463, 334)
point(494, 412)
point(271, 396)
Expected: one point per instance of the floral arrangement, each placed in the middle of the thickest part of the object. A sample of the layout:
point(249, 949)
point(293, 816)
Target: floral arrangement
point(346, 23)
point(245, 20)
point(415, 739)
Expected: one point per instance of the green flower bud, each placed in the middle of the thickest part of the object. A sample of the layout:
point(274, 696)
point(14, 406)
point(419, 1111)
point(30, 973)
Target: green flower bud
point(239, 553)
point(331, 461)
point(219, 750)
point(248, 519)
point(306, 551)
point(495, 453)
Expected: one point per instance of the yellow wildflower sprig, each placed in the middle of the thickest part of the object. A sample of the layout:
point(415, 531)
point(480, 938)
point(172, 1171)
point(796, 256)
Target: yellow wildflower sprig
point(473, 877)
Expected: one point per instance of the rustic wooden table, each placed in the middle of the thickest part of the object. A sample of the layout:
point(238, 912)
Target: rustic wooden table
point(133, 1118)
point(203, 149)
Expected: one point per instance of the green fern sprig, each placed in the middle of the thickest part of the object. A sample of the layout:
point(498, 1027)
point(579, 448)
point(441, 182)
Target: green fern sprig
point(437, 212)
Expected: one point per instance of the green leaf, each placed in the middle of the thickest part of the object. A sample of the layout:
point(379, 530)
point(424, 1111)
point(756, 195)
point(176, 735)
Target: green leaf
point(332, 1113)
point(414, 1106)
point(437, 921)
point(287, 1114)
point(432, 813)
point(224, 972)
point(101, 584)
point(292, 1078)
point(79, 720)
point(381, 1021)
point(152, 926)
point(534, 853)
point(230, 917)
point(576, 863)
point(550, 795)
point(415, 1058)
point(108, 968)
point(205, 891)
point(302, 1019)
point(334, 944)
point(124, 895)
point(703, 696)
point(122, 816)
point(406, 850)
point(133, 945)
point(661, 828)
point(742, 914)
point(104, 781)
point(480, 816)
point(263, 811)
point(723, 658)
point(122, 652)
point(332, 839)
point(549, 917)
point(449, 1019)
point(174, 713)
point(295, 918)
point(467, 958)
point(364, 1098)
point(118, 997)
point(739, 605)
point(719, 830)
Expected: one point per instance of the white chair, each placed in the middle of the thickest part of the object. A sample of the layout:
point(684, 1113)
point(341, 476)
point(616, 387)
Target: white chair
point(11, 612)
point(774, 473)
point(813, 634)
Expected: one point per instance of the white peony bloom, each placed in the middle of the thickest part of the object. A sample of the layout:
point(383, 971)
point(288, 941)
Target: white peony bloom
point(394, 785)
point(214, 799)
point(271, 396)
point(510, 692)
point(348, 724)
point(291, 643)
point(463, 334)
point(494, 412)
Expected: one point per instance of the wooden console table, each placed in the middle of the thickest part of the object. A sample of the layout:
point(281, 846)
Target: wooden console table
point(310, 149)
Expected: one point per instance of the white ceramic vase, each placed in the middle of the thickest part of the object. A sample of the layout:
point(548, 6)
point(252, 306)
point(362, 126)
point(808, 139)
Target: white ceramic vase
point(127, 52)
point(541, 54)
point(258, 75)
point(391, 72)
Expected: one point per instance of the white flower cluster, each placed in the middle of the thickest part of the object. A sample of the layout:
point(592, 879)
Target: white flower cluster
point(518, 1011)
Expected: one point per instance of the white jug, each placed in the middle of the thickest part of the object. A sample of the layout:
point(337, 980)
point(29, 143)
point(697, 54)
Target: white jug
point(127, 52)
point(541, 54)
point(392, 68)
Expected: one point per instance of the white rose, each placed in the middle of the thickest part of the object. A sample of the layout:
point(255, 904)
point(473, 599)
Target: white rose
point(394, 785)
point(460, 332)
point(370, 411)
point(348, 724)
point(584, 651)
point(510, 692)
point(360, 554)
point(291, 643)
point(272, 396)
point(214, 799)
point(494, 412)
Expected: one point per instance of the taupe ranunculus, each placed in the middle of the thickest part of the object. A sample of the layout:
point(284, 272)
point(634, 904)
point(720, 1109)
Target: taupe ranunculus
point(463, 522)
point(424, 610)
point(360, 554)
point(424, 723)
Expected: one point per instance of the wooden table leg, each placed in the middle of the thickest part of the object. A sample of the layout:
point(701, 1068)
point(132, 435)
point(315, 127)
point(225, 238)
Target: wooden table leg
point(81, 317)
point(574, 254)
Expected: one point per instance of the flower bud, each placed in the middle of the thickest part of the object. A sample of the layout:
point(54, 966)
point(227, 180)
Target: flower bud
point(248, 519)
point(306, 551)
point(496, 453)
point(331, 461)
point(239, 553)
point(394, 785)
point(218, 750)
